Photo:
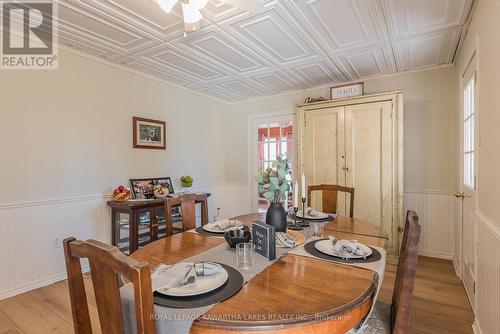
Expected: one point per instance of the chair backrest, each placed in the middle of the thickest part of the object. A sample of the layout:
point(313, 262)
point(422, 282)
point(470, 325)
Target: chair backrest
point(405, 275)
point(187, 203)
point(106, 264)
point(329, 197)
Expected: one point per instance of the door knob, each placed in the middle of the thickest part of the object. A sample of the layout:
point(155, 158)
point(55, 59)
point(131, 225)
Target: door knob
point(462, 195)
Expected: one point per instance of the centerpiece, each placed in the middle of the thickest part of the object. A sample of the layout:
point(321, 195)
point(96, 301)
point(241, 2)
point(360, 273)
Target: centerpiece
point(274, 184)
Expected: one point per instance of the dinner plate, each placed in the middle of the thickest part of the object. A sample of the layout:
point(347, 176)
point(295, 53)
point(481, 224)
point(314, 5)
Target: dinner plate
point(321, 215)
point(210, 227)
point(326, 247)
point(214, 278)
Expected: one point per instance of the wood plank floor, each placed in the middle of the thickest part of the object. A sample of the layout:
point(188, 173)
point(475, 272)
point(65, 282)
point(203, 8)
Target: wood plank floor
point(439, 304)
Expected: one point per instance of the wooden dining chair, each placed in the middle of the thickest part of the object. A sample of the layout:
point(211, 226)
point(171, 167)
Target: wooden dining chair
point(107, 265)
point(329, 197)
point(395, 318)
point(187, 202)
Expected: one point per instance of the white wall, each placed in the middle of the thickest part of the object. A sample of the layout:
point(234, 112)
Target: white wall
point(483, 36)
point(66, 141)
point(430, 150)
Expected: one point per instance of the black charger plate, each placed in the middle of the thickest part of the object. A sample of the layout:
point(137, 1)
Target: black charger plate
point(200, 230)
point(233, 284)
point(309, 247)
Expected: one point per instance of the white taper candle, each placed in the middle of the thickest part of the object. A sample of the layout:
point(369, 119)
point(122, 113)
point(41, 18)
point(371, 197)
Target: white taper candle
point(296, 195)
point(303, 186)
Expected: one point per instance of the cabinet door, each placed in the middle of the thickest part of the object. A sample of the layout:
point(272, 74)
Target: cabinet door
point(370, 162)
point(323, 145)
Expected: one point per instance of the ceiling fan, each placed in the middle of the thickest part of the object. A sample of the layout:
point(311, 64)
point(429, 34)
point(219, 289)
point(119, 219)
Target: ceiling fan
point(191, 9)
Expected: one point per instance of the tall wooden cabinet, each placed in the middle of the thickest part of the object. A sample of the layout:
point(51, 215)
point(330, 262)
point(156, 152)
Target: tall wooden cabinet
point(357, 142)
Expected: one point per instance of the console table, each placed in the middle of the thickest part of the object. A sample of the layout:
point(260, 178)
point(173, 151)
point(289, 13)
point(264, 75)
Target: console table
point(136, 223)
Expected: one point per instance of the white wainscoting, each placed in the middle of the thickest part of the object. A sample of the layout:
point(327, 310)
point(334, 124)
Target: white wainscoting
point(437, 211)
point(487, 277)
point(28, 231)
point(28, 255)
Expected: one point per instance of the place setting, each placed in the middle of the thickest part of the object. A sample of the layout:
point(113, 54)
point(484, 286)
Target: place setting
point(195, 284)
point(219, 227)
point(340, 250)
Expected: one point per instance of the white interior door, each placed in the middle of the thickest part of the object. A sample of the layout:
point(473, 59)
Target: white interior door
point(469, 143)
point(324, 142)
point(369, 152)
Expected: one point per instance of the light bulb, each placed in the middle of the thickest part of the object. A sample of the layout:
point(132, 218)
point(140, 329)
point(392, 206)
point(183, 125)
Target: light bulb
point(198, 4)
point(191, 13)
point(167, 5)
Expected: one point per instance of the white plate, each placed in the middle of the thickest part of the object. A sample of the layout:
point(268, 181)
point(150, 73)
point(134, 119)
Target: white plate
point(203, 284)
point(320, 216)
point(326, 247)
point(210, 227)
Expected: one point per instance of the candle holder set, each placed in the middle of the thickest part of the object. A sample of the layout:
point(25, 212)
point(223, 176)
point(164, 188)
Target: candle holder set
point(297, 226)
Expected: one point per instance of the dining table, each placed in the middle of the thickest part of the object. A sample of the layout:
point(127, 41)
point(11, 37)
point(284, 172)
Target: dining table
point(295, 294)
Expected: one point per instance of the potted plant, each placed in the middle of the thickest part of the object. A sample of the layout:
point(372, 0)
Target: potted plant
point(273, 183)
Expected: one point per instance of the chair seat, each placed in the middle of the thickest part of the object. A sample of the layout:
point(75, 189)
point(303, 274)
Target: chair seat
point(379, 321)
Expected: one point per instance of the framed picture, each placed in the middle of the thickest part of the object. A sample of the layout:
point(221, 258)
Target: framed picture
point(143, 188)
point(149, 133)
point(355, 89)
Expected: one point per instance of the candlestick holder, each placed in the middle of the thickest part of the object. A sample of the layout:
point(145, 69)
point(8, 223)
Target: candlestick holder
point(295, 226)
point(304, 223)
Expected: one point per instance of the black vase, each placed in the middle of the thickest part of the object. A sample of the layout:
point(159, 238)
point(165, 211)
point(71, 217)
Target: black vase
point(276, 216)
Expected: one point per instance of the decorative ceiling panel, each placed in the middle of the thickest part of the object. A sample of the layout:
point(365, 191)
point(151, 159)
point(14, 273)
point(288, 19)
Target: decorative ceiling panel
point(282, 46)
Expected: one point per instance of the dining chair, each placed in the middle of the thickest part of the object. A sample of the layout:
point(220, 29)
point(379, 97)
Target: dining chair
point(329, 197)
point(395, 318)
point(187, 202)
point(107, 265)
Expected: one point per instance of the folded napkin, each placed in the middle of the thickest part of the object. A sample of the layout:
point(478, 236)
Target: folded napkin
point(313, 213)
point(224, 224)
point(285, 240)
point(167, 277)
point(349, 247)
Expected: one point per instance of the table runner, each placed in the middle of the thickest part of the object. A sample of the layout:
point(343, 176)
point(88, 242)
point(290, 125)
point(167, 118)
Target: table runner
point(179, 321)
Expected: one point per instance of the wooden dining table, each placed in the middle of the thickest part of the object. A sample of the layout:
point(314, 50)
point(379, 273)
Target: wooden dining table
point(296, 294)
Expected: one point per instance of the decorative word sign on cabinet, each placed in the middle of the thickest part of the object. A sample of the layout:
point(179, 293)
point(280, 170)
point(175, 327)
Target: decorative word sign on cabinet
point(357, 142)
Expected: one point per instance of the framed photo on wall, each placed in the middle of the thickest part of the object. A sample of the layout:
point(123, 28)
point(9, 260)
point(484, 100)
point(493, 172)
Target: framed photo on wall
point(149, 133)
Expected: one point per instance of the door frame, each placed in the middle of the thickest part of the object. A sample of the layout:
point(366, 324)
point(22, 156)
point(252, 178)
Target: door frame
point(253, 121)
point(472, 60)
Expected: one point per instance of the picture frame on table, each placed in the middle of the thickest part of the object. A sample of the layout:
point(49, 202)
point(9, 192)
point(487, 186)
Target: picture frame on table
point(149, 133)
point(143, 188)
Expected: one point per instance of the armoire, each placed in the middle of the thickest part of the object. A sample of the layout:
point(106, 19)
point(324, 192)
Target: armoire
point(357, 142)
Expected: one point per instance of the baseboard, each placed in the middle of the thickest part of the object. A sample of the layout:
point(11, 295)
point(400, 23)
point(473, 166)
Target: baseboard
point(38, 284)
point(476, 329)
point(436, 255)
point(32, 286)
point(456, 267)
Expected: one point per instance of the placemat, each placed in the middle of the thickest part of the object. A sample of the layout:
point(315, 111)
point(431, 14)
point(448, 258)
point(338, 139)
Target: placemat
point(309, 247)
point(233, 284)
point(200, 230)
point(299, 219)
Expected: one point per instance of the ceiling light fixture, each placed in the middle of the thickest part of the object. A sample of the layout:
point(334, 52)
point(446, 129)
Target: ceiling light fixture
point(190, 12)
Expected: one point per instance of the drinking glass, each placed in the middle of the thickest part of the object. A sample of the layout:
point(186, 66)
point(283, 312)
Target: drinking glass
point(317, 229)
point(245, 255)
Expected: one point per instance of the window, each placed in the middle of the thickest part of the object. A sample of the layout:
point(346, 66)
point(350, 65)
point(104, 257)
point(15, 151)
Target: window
point(469, 112)
point(273, 139)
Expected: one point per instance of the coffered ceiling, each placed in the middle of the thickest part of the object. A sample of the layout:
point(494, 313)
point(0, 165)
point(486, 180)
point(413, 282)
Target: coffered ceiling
point(283, 46)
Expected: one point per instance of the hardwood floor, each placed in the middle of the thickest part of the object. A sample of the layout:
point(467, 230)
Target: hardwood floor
point(439, 304)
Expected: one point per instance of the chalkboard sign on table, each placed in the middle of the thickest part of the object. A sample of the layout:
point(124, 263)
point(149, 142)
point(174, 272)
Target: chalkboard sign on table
point(264, 239)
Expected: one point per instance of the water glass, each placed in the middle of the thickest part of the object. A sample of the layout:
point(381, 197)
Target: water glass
point(317, 229)
point(245, 257)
